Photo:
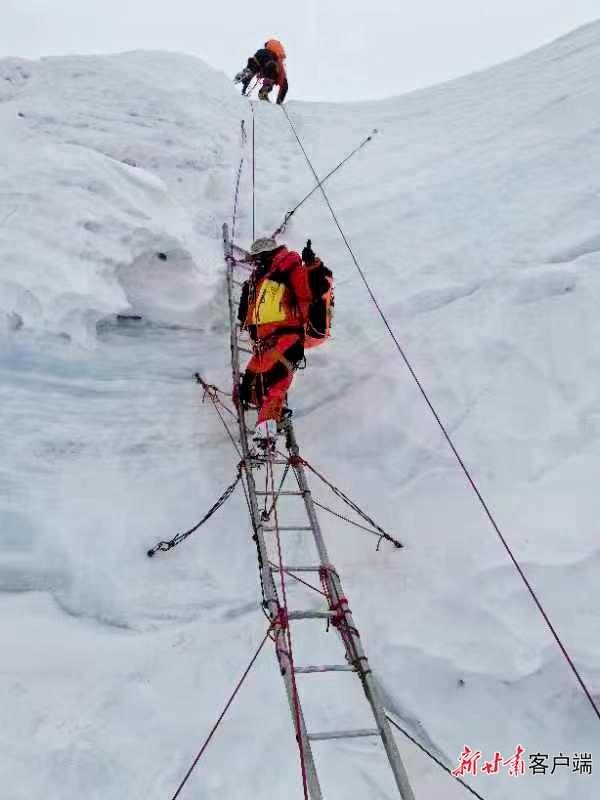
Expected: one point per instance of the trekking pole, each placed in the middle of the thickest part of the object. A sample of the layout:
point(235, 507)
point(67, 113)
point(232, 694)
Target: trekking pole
point(291, 213)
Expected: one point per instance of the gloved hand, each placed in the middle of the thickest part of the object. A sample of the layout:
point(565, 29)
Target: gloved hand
point(242, 76)
point(308, 255)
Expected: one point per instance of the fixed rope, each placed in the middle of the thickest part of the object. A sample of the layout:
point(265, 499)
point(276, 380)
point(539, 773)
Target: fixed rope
point(433, 758)
point(244, 139)
point(290, 214)
point(352, 522)
point(221, 716)
point(379, 531)
point(212, 392)
point(180, 537)
point(298, 579)
point(444, 431)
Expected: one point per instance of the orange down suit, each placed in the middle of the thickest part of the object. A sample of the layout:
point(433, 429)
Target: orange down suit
point(274, 308)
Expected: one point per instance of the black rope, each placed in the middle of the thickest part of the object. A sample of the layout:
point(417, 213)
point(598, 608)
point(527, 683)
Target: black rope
point(212, 392)
point(260, 565)
point(180, 537)
point(350, 522)
point(291, 213)
point(244, 138)
point(433, 758)
point(344, 497)
point(276, 495)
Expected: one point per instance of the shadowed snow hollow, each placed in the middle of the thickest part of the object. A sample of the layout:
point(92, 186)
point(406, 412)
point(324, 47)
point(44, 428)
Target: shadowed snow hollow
point(112, 161)
point(474, 213)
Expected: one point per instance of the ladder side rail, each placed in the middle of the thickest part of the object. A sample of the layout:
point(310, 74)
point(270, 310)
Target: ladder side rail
point(271, 597)
point(357, 656)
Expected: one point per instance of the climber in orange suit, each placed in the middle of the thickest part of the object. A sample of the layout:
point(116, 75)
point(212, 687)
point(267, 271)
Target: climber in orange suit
point(274, 309)
point(267, 64)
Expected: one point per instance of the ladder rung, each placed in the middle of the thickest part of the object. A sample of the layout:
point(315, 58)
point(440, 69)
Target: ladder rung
point(276, 568)
point(311, 614)
point(279, 494)
point(325, 668)
point(270, 528)
point(356, 734)
point(263, 460)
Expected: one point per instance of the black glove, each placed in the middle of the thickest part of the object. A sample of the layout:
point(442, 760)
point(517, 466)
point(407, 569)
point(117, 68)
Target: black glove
point(243, 76)
point(308, 255)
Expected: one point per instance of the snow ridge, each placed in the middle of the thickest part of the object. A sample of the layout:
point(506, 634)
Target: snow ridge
point(475, 215)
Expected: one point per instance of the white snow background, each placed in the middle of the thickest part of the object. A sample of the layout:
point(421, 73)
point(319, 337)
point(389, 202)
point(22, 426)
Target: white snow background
point(475, 215)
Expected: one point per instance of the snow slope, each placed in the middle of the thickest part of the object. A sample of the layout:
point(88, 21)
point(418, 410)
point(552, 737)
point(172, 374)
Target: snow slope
point(474, 214)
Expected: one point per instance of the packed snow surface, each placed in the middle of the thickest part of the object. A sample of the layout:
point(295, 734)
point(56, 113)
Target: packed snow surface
point(474, 213)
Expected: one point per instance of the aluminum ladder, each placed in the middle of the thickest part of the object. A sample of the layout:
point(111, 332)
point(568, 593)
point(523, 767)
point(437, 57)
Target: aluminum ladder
point(337, 611)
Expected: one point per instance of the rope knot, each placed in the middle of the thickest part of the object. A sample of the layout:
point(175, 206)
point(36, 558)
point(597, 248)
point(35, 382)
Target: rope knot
point(281, 620)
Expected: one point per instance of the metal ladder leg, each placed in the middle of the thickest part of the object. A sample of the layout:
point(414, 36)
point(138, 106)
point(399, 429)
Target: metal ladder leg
point(339, 611)
point(271, 597)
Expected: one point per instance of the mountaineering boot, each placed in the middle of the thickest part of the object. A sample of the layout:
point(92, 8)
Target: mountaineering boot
point(265, 90)
point(265, 434)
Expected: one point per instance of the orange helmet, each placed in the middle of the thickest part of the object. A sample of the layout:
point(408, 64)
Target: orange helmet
point(275, 46)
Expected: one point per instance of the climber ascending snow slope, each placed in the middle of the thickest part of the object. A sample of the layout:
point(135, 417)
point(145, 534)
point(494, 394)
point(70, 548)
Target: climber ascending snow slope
point(267, 67)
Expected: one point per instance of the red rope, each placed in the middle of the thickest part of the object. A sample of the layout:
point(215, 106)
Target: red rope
point(445, 433)
point(218, 722)
point(212, 392)
point(216, 403)
point(339, 605)
point(288, 635)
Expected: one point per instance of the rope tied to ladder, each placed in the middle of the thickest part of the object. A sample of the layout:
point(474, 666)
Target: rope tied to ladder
point(339, 605)
point(164, 546)
point(222, 715)
point(214, 394)
point(378, 530)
